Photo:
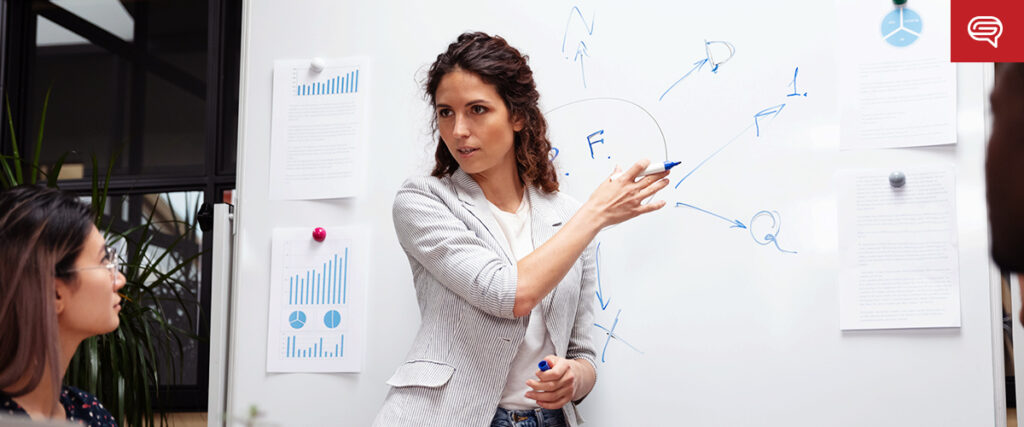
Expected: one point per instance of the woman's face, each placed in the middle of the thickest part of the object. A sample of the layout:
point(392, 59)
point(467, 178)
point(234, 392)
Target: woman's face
point(87, 302)
point(475, 124)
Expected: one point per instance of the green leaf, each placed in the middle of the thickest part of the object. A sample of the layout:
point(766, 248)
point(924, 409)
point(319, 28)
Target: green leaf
point(39, 139)
point(54, 174)
point(94, 364)
point(17, 178)
point(7, 177)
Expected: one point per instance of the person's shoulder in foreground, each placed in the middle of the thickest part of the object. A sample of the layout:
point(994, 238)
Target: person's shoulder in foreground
point(79, 406)
point(1004, 168)
point(84, 407)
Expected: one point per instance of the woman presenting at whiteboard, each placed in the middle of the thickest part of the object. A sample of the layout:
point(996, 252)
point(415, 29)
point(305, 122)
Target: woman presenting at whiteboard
point(502, 262)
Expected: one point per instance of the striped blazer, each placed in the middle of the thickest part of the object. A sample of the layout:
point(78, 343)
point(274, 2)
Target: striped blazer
point(465, 279)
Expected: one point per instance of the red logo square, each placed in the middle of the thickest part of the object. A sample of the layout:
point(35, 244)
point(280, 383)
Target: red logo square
point(987, 31)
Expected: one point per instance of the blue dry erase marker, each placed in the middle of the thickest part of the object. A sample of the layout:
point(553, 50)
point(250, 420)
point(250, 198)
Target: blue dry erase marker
point(652, 169)
point(543, 365)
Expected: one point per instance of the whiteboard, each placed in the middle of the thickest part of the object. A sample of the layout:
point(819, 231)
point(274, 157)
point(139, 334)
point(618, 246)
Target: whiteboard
point(721, 329)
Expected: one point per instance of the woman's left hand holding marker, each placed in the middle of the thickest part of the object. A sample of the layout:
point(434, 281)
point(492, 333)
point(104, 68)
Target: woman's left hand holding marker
point(556, 386)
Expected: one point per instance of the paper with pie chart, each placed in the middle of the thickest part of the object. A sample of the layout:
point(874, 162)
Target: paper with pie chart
point(897, 87)
point(317, 301)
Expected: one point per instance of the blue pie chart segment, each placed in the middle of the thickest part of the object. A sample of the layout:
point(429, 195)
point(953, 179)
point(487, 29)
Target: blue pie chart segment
point(297, 319)
point(901, 27)
point(332, 319)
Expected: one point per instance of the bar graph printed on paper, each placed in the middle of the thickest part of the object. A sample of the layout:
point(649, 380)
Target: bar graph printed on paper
point(314, 347)
point(316, 295)
point(349, 83)
point(325, 285)
point(317, 300)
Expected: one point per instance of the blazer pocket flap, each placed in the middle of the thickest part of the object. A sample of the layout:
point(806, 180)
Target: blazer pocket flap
point(422, 373)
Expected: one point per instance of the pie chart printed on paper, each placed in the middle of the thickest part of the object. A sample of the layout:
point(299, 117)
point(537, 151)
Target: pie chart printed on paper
point(332, 319)
point(297, 319)
point(901, 27)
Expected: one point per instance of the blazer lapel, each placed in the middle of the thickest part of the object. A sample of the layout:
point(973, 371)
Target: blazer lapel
point(544, 222)
point(472, 197)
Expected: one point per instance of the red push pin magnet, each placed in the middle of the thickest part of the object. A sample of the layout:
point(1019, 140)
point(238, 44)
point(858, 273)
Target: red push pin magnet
point(319, 234)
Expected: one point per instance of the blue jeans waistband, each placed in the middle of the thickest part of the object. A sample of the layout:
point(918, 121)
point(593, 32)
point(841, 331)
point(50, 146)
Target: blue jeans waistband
point(538, 417)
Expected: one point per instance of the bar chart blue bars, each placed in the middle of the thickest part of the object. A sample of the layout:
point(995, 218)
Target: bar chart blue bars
point(347, 83)
point(317, 309)
point(324, 285)
point(314, 347)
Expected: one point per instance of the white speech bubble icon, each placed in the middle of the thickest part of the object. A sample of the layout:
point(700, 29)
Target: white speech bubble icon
point(985, 28)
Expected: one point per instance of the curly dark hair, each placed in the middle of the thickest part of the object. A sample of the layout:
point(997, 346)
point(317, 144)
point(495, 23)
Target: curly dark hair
point(502, 66)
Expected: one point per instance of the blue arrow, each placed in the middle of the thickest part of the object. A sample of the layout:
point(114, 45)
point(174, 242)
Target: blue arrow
point(770, 111)
point(600, 299)
point(696, 66)
point(712, 155)
point(590, 28)
point(735, 222)
point(581, 51)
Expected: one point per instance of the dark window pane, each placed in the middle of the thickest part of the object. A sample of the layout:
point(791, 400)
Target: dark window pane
point(86, 113)
point(174, 130)
point(177, 34)
point(146, 104)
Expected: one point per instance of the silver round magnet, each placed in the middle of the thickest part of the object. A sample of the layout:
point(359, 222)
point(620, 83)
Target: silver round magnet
point(897, 179)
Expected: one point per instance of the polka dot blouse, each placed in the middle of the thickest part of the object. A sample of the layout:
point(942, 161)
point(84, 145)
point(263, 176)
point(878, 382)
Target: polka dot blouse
point(79, 407)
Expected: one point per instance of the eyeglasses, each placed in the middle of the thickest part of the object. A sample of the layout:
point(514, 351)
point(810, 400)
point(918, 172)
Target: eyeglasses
point(112, 266)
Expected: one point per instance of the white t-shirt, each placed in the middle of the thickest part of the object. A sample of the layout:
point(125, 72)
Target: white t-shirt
point(537, 343)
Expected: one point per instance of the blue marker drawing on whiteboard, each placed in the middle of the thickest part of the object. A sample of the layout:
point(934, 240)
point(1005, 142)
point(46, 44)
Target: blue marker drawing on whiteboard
point(589, 28)
point(734, 223)
point(600, 295)
point(795, 91)
point(661, 132)
point(770, 111)
point(610, 333)
point(591, 142)
point(581, 52)
point(772, 235)
point(713, 155)
point(709, 58)
point(581, 46)
point(696, 67)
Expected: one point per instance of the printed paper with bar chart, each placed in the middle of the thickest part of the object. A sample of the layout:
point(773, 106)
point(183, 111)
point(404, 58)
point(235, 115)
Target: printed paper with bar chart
point(318, 129)
point(317, 301)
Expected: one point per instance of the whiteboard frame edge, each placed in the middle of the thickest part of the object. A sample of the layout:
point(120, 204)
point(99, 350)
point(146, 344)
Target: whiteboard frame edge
point(243, 81)
point(995, 275)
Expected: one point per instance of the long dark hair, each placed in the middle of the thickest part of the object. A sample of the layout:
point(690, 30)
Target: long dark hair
point(43, 231)
point(502, 66)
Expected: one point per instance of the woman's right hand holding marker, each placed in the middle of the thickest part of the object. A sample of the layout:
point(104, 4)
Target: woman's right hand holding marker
point(621, 197)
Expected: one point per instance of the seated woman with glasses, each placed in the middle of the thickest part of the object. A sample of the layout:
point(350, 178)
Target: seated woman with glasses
point(58, 286)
